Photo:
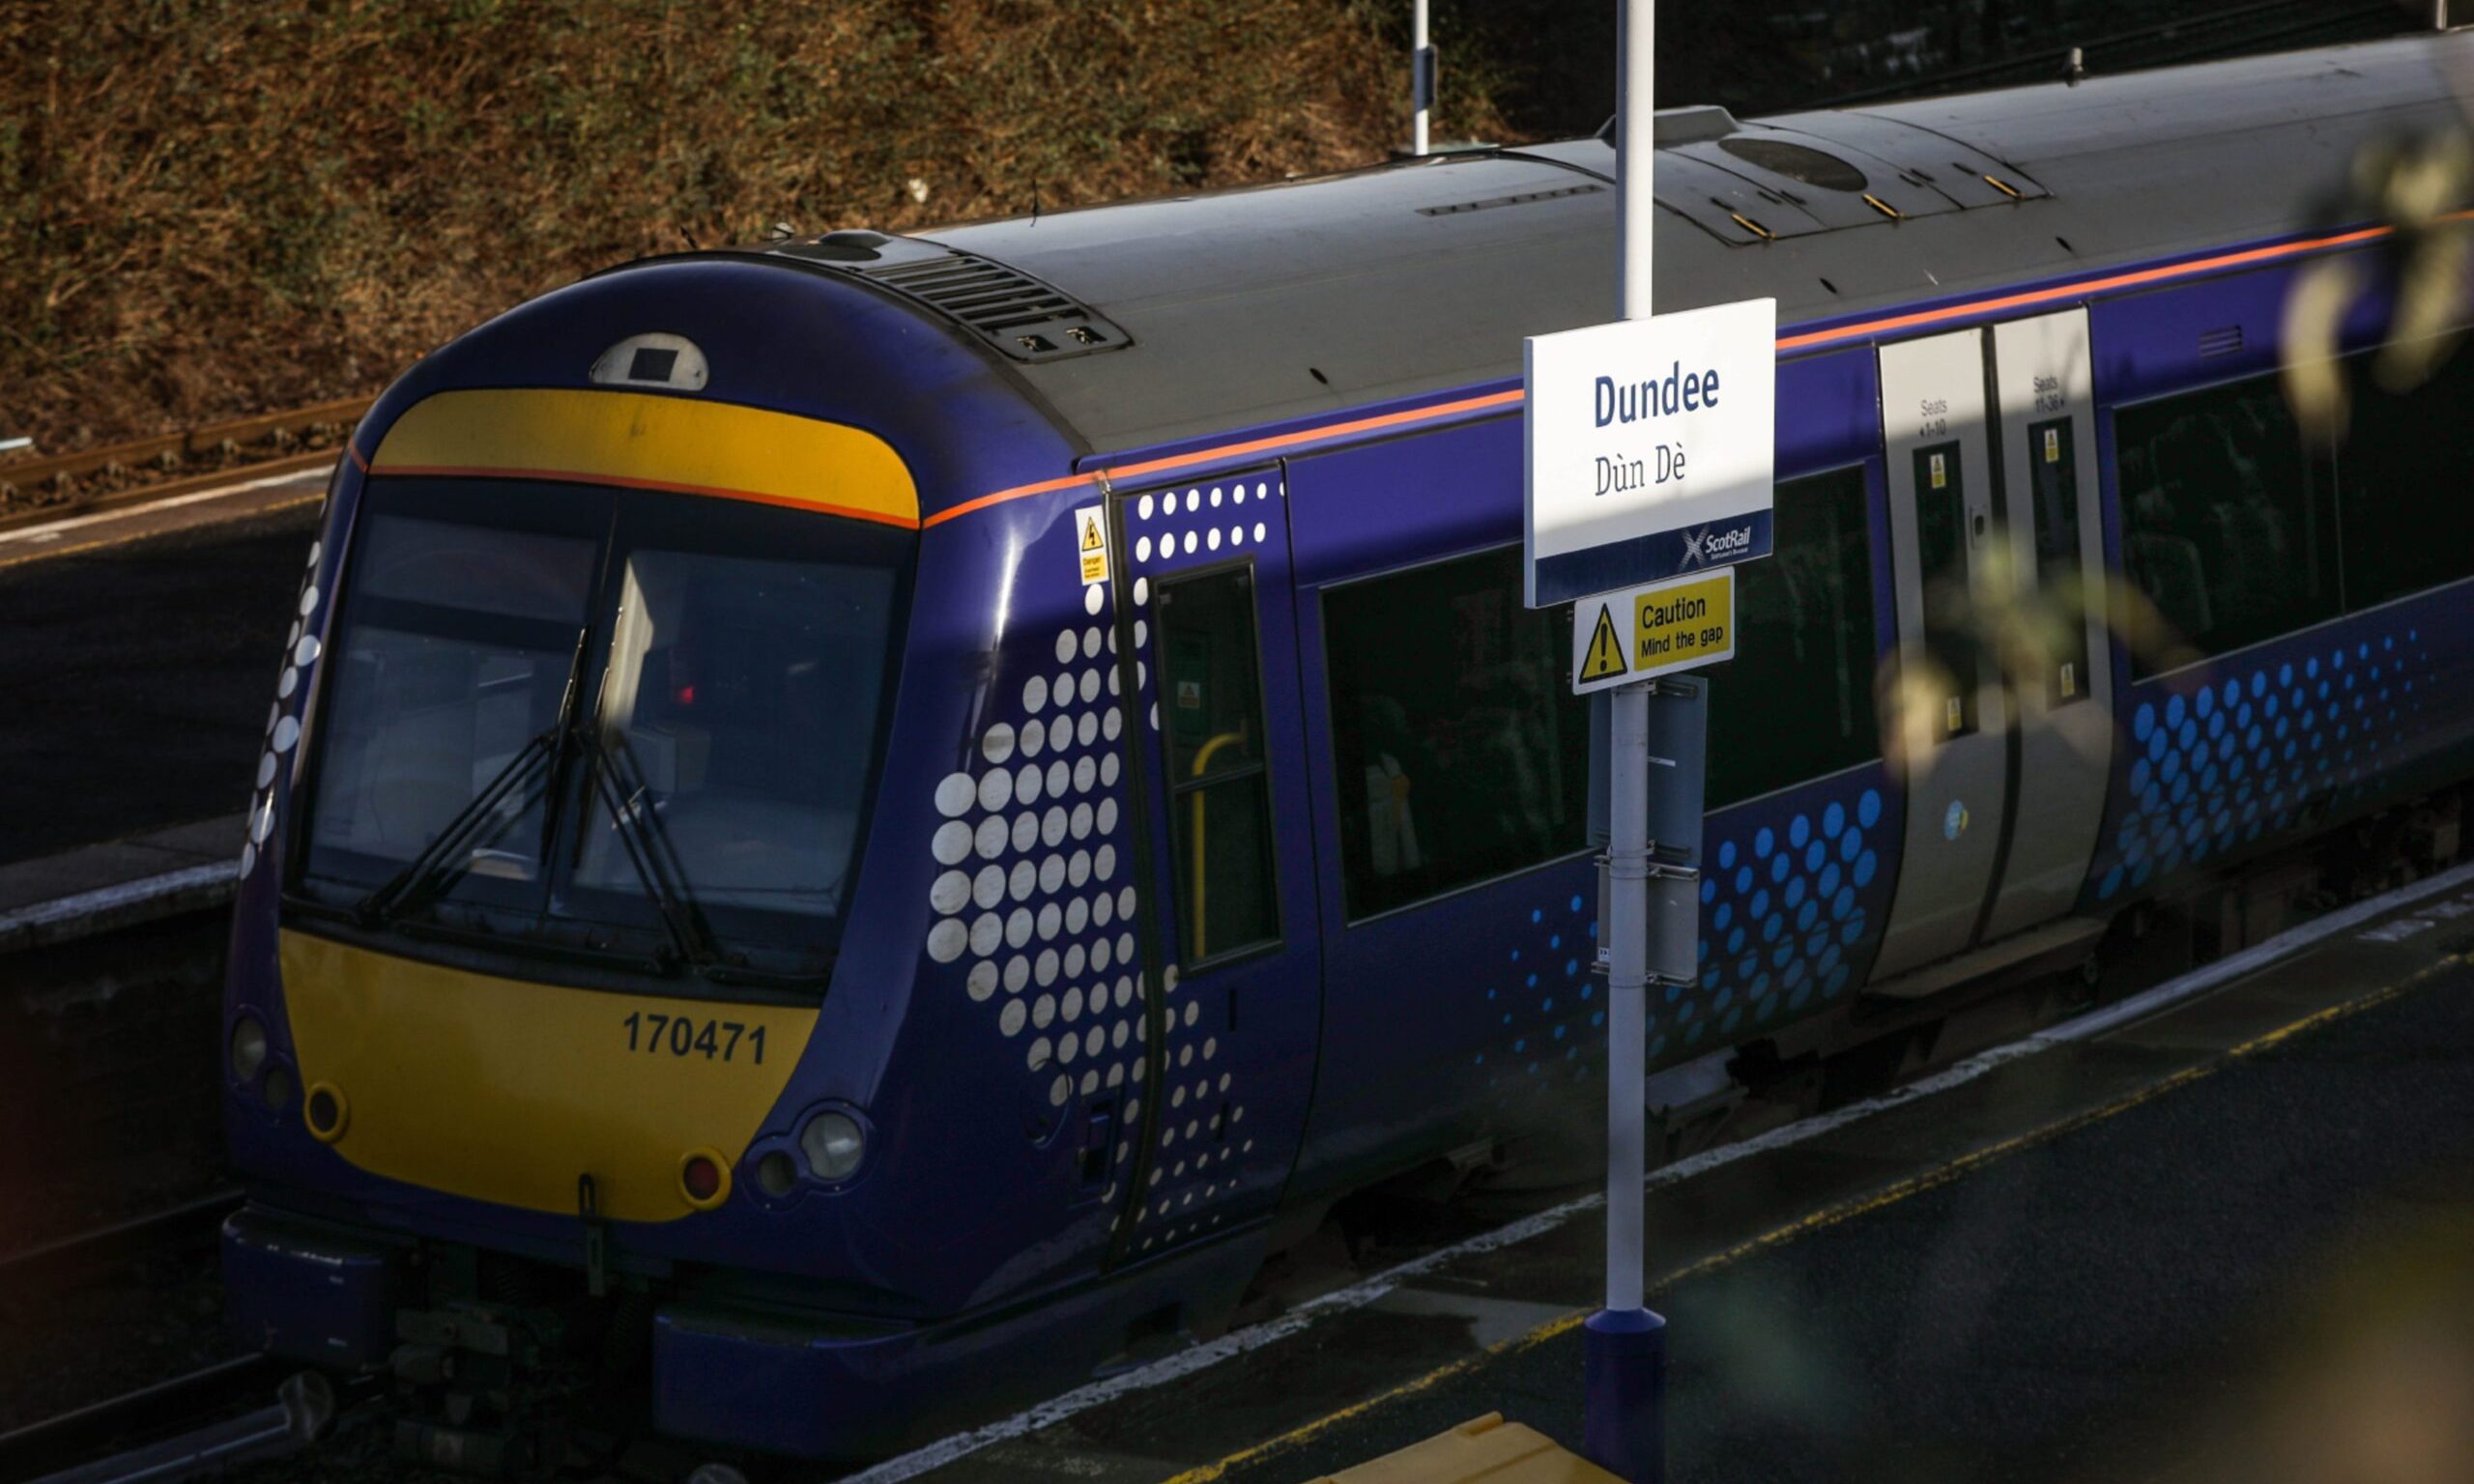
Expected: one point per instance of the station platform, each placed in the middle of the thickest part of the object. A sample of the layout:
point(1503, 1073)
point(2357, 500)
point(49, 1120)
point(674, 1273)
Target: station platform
point(2233, 1240)
point(144, 645)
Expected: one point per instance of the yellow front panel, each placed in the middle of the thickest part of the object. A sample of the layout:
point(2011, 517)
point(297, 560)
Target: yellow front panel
point(638, 439)
point(505, 1090)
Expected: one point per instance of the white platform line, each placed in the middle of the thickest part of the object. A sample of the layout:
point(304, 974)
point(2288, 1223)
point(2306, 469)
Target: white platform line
point(2225, 970)
point(2251, 960)
point(112, 898)
point(51, 530)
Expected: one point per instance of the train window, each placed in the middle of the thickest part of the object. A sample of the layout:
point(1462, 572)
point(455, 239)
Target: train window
point(2053, 477)
point(1461, 752)
point(742, 692)
point(605, 721)
point(2229, 525)
point(1211, 703)
point(2404, 474)
point(457, 648)
point(1942, 559)
point(1796, 701)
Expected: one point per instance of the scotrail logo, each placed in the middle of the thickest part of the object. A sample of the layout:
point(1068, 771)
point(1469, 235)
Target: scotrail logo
point(1710, 545)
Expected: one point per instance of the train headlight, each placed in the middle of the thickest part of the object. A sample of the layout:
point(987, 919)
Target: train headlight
point(833, 1144)
point(776, 1175)
point(249, 1049)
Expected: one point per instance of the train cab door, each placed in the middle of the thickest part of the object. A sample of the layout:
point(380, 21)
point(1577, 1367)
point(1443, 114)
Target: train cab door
point(2053, 638)
point(1231, 971)
point(1945, 720)
point(2000, 711)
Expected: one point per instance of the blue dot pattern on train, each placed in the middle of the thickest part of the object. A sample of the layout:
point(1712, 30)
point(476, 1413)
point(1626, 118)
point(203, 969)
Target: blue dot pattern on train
point(1790, 903)
point(2229, 754)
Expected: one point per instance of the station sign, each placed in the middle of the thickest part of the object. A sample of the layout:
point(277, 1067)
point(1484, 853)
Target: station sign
point(1650, 449)
point(1640, 633)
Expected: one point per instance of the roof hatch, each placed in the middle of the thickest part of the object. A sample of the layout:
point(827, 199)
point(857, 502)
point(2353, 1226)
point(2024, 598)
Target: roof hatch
point(1818, 172)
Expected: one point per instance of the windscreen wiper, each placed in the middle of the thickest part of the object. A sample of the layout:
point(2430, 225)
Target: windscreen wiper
point(618, 782)
point(429, 869)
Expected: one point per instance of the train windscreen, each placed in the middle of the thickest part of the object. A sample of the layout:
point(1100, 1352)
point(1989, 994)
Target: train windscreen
point(635, 726)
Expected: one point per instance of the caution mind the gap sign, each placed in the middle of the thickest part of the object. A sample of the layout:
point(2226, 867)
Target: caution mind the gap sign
point(1641, 632)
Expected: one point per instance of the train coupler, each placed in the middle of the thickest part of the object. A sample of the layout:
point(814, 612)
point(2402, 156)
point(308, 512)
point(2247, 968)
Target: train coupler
point(480, 1388)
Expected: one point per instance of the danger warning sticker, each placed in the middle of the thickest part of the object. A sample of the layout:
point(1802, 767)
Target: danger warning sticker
point(1091, 543)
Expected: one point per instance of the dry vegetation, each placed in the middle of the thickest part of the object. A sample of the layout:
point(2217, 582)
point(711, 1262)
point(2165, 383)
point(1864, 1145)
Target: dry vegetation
point(217, 208)
point(209, 208)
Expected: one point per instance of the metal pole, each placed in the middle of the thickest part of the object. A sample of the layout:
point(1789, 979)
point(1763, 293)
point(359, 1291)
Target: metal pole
point(1636, 141)
point(1421, 77)
point(1627, 869)
point(2439, 14)
point(1628, 753)
point(1624, 1367)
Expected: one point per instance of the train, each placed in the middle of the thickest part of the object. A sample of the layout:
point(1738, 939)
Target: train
point(865, 825)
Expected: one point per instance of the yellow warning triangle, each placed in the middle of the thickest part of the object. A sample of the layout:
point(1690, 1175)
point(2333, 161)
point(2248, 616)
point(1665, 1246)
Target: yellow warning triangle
point(1091, 535)
point(1605, 650)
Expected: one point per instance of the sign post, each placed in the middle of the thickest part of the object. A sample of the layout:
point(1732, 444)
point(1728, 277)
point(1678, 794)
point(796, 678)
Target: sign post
point(1649, 476)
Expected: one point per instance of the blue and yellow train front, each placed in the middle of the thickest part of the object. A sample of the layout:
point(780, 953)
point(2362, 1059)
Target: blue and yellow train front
point(573, 1048)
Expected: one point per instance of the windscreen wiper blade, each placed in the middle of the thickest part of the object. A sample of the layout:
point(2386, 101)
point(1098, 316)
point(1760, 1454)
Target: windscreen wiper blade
point(428, 870)
point(612, 768)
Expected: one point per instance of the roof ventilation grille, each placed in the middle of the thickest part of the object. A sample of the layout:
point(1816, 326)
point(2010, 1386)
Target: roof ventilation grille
point(1019, 315)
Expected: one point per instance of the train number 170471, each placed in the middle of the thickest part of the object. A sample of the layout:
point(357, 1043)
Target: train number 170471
point(715, 1040)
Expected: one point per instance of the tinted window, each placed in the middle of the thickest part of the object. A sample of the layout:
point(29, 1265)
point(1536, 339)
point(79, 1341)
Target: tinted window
point(2406, 483)
point(1796, 701)
point(2053, 476)
point(545, 698)
point(1211, 705)
point(744, 692)
point(2228, 526)
point(1942, 559)
point(1461, 752)
point(458, 645)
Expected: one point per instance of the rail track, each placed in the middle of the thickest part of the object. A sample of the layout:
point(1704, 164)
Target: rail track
point(188, 1224)
point(169, 1429)
point(183, 1428)
point(174, 464)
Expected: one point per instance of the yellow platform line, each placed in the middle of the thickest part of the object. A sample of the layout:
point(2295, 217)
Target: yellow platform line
point(1824, 1219)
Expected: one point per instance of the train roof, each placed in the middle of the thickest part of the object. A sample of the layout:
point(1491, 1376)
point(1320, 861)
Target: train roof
point(1157, 321)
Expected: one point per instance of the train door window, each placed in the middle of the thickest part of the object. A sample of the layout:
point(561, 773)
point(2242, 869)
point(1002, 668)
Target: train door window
point(1796, 701)
point(2053, 478)
point(1211, 702)
point(2229, 525)
point(1942, 561)
point(2403, 474)
point(1460, 751)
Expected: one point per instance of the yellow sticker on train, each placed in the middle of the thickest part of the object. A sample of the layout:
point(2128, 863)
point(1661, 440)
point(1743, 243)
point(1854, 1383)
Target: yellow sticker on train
point(1091, 543)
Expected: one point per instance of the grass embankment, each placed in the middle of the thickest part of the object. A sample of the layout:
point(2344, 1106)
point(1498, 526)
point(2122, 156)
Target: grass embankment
point(212, 207)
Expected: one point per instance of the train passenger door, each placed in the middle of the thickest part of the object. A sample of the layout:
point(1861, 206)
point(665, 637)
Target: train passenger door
point(1999, 712)
point(1231, 971)
point(1946, 716)
point(2055, 643)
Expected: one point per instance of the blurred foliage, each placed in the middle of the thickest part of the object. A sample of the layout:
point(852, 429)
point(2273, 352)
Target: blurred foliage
point(213, 207)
